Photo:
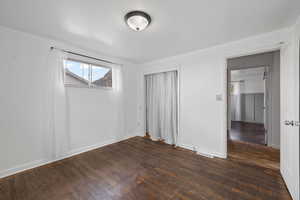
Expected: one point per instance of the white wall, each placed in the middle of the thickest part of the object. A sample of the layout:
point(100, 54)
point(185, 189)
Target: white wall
point(246, 81)
point(97, 116)
point(203, 76)
point(251, 83)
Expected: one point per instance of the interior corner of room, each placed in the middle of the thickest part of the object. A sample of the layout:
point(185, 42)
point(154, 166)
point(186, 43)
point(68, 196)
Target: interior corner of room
point(127, 100)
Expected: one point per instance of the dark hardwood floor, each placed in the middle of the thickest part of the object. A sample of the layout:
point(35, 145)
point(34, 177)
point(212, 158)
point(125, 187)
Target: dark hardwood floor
point(247, 132)
point(254, 154)
point(140, 169)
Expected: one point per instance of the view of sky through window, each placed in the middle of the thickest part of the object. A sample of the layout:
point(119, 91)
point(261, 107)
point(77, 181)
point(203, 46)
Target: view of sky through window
point(83, 74)
point(98, 72)
point(82, 70)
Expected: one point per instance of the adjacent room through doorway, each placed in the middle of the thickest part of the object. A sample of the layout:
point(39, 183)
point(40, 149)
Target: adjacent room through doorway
point(254, 108)
point(248, 105)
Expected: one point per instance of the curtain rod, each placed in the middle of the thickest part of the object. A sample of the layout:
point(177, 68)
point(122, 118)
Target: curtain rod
point(82, 55)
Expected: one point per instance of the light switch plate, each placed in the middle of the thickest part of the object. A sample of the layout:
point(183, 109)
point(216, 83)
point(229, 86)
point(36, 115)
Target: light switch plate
point(219, 97)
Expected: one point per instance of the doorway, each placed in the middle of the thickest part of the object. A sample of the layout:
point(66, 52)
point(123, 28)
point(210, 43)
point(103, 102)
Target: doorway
point(253, 102)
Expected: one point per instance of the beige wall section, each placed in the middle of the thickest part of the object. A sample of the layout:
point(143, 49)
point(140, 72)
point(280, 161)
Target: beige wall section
point(274, 140)
point(256, 60)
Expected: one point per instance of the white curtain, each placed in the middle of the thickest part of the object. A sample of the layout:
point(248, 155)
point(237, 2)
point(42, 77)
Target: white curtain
point(57, 140)
point(161, 106)
point(117, 77)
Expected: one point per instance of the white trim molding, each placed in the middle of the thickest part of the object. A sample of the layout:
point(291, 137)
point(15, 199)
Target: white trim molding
point(201, 152)
point(210, 154)
point(21, 168)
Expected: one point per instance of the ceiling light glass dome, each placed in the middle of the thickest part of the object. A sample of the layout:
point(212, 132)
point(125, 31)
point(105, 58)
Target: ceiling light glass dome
point(137, 20)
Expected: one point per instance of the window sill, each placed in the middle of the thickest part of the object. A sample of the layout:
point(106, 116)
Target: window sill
point(87, 87)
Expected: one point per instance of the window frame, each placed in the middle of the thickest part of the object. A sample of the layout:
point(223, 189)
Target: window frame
point(90, 64)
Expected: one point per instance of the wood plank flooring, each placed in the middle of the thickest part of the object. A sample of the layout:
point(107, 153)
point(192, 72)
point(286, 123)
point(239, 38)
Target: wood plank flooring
point(140, 169)
point(247, 132)
point(254, 154)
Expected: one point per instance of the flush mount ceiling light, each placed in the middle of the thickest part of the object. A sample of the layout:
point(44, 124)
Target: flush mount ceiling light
point(137, 20)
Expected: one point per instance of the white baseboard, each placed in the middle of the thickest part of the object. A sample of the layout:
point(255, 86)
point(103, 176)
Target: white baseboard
point(210, 155)
point(88, 148)
point(186, 146)
point(74, 152)
point(38, 163)
point(205, 155)
point(275, 146)
point(20, 168)
point(201, 152)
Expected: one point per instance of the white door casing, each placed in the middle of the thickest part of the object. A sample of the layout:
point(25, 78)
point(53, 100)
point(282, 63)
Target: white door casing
point(266, 104)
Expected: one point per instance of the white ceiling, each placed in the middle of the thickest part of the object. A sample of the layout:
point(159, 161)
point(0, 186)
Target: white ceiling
point(178, 26)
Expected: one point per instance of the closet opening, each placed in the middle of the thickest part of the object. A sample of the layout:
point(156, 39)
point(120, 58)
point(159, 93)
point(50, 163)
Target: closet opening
point(161, 103)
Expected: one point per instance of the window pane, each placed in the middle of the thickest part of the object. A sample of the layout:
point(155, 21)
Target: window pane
point(76, 73)
point(101, 76)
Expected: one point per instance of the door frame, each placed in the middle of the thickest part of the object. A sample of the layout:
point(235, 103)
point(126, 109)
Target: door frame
point(275, 47)
point(161, 70)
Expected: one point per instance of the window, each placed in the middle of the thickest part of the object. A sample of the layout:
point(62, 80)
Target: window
point(81, 74)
